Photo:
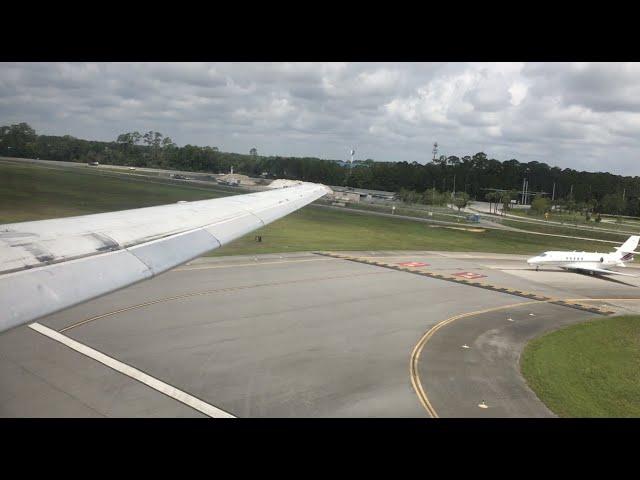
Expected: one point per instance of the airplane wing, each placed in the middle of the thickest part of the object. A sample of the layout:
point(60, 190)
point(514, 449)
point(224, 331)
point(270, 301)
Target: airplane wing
point(49, 265)
point(605, 272)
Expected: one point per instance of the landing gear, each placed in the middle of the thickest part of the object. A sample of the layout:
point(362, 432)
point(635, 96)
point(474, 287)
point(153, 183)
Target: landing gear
point(537, 267)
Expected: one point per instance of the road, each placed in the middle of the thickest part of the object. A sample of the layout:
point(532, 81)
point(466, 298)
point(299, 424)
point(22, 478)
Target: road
point(298, 335)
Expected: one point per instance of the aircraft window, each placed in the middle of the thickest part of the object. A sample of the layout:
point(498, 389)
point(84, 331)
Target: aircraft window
point(542, 255)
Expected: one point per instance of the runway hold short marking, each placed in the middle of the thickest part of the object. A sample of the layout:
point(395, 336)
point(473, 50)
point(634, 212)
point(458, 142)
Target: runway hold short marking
point(413, 264)
point(469, 275)
point(134, 373)
point(466, 278)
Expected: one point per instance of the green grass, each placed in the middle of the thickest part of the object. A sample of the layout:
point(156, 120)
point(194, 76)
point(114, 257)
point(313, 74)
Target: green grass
point(559, 230)
point(579, 220)
point(446, 215)
point(315, 228)
point(588, 370)
point(30, 192)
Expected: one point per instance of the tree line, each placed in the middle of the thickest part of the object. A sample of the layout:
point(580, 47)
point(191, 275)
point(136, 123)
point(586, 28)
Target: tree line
point(474, 175)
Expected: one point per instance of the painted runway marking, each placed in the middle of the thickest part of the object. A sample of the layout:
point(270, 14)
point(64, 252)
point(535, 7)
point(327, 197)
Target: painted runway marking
point(134, 373)
point(457, 278)
point(210, 292)
point(415, 354)
point(469, 275)
point(413, 264)
point(208, 267)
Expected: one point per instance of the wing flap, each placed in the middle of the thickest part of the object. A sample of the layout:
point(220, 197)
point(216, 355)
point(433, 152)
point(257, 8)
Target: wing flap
point(161, 255)
point(30, 294)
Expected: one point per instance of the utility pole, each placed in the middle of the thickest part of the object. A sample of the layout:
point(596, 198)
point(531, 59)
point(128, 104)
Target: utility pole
point(553, 195)
point(454, 184)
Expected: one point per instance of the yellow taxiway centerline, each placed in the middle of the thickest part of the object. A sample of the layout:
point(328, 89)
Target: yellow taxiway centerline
point(417, 350)
point(414, 373)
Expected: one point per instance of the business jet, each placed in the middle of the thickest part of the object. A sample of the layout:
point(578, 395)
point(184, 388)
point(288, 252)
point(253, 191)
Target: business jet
point(50, 265)
point(593, 263)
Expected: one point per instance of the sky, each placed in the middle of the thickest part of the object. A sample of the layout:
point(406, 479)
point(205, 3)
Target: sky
point(584, 116)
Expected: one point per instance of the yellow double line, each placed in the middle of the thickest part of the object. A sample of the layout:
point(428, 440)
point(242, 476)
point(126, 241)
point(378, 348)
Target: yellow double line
point(414, 373)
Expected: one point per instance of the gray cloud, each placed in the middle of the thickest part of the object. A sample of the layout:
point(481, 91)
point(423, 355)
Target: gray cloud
point(583, 116)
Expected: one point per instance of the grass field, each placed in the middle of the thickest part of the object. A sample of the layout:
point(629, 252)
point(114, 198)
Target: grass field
point(588, 370)
point(438, 213)
point(323, 229)
point(29, 192)
point(560, 230)
point(609, 222)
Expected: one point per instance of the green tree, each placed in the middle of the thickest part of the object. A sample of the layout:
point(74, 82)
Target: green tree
point(506, 198)
point(493, 198)
point(540, 204)
point(613, 203)
point(461, 200)
point(409, 196)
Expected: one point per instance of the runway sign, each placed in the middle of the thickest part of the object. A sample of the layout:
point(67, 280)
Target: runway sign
point(413, 264)
point(469, 275)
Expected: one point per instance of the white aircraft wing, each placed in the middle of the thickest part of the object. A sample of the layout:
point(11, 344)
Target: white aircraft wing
point(604, 271)
point(49, 265)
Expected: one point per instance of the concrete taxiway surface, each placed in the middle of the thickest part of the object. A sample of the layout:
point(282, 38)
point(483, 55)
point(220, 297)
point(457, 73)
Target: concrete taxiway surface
point(298, 335)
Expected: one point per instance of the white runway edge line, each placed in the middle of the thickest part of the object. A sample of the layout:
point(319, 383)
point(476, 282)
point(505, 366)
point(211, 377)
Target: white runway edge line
point(131, 372)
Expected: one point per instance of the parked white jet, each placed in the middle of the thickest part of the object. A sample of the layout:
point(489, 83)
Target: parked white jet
point(590, 262)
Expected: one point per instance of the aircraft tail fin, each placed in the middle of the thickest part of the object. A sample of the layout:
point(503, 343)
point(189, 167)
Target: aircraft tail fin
point(627, 249)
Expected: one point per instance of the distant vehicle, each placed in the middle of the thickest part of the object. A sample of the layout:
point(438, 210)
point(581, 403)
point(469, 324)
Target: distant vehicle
point(592, 263)
point(177, 176)
point(473, 218)
point(93, 164)
point(132, 168)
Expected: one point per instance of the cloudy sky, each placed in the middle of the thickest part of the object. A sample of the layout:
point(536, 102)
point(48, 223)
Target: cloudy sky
point(583, 116)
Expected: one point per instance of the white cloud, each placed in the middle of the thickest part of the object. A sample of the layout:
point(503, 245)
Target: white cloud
point(570, 115)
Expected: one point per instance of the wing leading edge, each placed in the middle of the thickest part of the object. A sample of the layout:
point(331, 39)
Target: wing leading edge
point(49, 265)
point(603, 271)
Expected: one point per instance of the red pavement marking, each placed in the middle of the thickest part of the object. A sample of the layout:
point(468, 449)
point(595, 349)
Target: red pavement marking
point(413, 264)
point(469, 275)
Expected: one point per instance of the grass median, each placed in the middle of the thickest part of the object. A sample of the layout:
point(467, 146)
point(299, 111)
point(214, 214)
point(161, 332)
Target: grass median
point(32, 192)
point(587, 370)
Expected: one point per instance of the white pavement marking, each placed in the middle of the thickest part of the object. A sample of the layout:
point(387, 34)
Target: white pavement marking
point(131, 372)
point(249, 264)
